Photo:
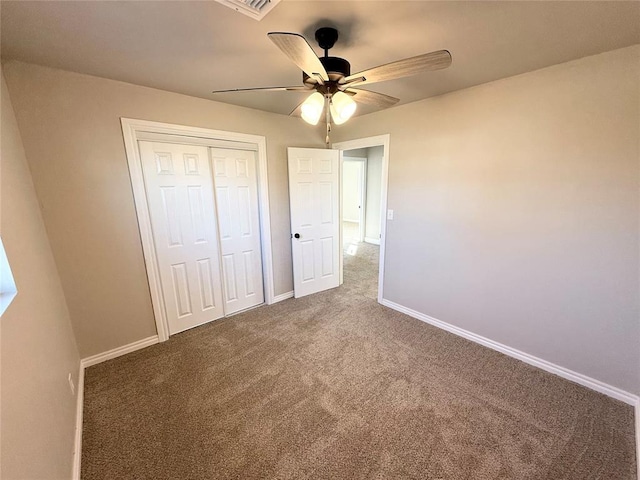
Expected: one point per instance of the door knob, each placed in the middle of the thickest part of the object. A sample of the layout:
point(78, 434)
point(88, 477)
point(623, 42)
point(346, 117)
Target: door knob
point(297, 235)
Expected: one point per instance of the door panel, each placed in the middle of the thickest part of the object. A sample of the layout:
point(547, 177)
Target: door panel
point(236, 183)
point(180, 195)
point(313, 194)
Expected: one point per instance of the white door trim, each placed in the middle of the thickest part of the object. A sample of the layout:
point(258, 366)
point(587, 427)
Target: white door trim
point(366, 143)
point(134, 130)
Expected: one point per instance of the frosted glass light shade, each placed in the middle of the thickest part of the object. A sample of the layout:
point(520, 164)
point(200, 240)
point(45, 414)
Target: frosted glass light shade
point(342, 107)
point(312, 108)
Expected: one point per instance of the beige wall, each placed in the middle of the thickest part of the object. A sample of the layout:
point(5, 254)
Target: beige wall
point(517, 212)
point(70, 126)
point(38, 346)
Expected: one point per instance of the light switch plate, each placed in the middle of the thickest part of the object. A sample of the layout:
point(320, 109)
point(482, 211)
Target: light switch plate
point(389, 214)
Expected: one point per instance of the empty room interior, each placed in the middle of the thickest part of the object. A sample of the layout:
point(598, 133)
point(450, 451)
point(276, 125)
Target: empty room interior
point(302, 239)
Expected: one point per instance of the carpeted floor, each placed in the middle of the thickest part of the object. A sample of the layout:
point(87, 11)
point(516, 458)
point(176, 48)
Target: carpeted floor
point(336, 386)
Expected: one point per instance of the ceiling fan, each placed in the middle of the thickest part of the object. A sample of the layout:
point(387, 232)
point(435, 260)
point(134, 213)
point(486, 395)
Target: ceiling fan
point(331, 80)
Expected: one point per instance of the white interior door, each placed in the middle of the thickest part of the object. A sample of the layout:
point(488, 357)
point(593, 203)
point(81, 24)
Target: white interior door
point(354, 176)
point(180, 196)
point(236, 183)
point(315, 219)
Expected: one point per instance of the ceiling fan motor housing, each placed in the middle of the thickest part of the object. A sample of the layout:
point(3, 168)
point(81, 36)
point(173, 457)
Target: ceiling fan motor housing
point(336, 68)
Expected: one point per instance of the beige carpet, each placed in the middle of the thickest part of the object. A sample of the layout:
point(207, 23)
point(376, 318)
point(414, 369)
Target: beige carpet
point(335, 386)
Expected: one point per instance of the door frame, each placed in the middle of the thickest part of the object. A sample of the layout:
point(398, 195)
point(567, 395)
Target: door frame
point(134, 130)
point(376, 141)
point(362, 214)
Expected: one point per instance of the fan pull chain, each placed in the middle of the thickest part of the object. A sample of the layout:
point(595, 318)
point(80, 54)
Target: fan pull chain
point(328, 113)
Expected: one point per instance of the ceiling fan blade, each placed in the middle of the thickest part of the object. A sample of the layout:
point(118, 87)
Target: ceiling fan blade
point(297, 112)
point(296, 88)
point(300, 52)
point(372, 98)
point(402, 68)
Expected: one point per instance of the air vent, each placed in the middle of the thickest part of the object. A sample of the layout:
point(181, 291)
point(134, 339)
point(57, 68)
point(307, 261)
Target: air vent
point(256, 9)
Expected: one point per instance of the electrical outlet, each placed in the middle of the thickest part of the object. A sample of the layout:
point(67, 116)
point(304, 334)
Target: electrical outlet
point(72, 385)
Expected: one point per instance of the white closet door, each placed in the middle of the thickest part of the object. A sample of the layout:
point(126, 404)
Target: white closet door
point(180, 195)
point(236, 184)
point(315, 219)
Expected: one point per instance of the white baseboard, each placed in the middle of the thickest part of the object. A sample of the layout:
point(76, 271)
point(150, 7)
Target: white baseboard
point(565, 373)
point(374, 241)
point(77, 443)
point(119, 351)
point(637, 415)
point(282, 296)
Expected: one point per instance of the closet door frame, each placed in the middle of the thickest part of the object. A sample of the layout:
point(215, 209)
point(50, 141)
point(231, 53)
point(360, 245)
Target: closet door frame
point(134, 130)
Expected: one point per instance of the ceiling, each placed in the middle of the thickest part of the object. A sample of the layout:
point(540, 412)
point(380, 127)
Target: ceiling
point(196, 47)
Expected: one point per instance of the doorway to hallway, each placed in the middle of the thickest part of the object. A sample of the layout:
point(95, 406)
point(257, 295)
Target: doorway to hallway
point(325, 242)
point(363, 199)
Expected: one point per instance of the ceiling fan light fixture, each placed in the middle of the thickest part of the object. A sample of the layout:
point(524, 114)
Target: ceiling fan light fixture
point(312, 108)
point(342, 107)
